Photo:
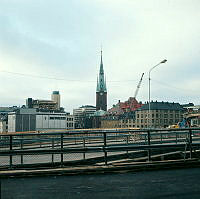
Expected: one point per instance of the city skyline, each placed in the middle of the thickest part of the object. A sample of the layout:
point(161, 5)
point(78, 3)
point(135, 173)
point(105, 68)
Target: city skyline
point(48, 45)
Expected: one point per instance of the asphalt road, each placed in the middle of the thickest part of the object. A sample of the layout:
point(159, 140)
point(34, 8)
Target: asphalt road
point(182, 183)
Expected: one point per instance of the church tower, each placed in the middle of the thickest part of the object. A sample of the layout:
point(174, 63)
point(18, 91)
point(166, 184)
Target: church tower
point(101, 92)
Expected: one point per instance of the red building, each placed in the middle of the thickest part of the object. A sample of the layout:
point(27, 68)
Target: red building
point(123, 107)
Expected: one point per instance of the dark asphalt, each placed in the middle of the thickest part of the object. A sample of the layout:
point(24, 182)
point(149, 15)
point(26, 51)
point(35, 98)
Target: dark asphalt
point(182, 183)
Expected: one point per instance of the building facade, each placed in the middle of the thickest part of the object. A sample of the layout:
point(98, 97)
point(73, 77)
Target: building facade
point(82, 115)
point(48, 105)
point(55, 96)
point(25, 119)
point(4, 117)
point(162, 115)
point(101, 91)
point(125, 107)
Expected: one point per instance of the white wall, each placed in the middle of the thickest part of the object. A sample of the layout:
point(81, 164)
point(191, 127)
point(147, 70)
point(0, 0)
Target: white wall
point(50, 121)
point(12, 123)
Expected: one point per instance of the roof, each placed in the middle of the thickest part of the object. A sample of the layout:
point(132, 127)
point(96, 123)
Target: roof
point(162, 106)
point(100, 113)
point(56, 92)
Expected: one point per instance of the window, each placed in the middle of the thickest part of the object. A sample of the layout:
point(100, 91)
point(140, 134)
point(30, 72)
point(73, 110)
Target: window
point(176, 115)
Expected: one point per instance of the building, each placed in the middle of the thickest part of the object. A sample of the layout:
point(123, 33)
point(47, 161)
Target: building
point(82, 115)
point(125, 120)
point(110, 121)
point(192, 115)
point(55, 96)
point(101, 90)
point(162, 114)
point(30, 119)
point(70, 123)
point(4, 117)
point(96, 118)
point(48, 105)
point(124, 107)
point(3, 124)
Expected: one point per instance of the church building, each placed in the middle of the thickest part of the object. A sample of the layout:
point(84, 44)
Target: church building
point(101, 91)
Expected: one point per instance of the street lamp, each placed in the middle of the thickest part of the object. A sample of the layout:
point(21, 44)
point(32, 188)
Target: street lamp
point(162, 62)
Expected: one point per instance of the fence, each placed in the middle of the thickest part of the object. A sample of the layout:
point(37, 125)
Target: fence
point(93, 146)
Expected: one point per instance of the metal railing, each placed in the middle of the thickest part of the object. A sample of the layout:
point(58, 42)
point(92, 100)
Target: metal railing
point(93, 146)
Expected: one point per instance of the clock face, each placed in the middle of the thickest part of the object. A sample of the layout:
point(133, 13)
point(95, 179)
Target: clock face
point(101, 93)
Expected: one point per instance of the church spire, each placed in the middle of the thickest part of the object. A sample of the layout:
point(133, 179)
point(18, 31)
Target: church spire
point(101, 83)
point(101, 92)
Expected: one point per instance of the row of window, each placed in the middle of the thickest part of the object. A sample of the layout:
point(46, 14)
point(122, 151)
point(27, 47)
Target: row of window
point(70, 119)
point(70, 125)
point(171, 121)
point(158, 115)
point(57, 118)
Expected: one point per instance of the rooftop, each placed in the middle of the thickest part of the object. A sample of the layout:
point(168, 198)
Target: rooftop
point(162, 106)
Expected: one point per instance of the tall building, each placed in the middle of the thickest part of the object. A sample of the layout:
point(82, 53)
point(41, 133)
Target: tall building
point(55, 96)
point(101, 91)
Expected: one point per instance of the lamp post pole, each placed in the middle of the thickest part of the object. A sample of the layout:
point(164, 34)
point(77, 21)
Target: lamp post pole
point(162, 62)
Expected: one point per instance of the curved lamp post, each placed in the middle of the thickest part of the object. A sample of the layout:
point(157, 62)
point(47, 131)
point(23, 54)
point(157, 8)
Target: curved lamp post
point(162, 62)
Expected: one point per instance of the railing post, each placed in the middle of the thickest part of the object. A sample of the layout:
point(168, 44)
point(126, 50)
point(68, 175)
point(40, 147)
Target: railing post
point(21, 146)
point(104, 147)
point(61, 151)
point(127, 142)
point(52, 155)
point(40, 141)
point(190, 142)
point(84, 148)
point(149, 143)
point(11, 142)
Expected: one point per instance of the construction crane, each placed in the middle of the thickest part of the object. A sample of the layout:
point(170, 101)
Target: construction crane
point(138, 86)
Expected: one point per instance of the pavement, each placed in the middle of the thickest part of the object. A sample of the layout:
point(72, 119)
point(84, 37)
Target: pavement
point(156, 184)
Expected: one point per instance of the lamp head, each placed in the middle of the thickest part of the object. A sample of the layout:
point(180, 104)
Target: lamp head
point(162, 62)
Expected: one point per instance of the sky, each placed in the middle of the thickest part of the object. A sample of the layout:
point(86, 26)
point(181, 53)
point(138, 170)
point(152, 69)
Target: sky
point(55, 45)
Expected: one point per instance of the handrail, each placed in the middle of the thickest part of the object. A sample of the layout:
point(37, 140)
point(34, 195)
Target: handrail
point(93, 131)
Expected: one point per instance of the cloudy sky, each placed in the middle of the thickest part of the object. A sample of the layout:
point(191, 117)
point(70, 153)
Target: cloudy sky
point(48, 45)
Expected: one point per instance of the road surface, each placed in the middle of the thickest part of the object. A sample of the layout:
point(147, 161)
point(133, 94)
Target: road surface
point(173, 184)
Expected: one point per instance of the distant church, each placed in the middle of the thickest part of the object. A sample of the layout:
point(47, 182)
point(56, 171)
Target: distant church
point(101, 91)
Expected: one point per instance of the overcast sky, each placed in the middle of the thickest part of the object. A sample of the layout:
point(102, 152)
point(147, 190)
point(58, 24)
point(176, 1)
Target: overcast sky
point(48, 45)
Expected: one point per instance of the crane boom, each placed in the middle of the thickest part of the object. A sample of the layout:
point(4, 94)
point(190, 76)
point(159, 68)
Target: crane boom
point(138, 86)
